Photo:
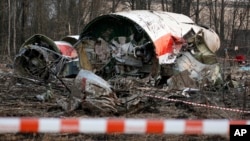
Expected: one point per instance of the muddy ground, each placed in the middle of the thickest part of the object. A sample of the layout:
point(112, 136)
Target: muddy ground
point(18, 99)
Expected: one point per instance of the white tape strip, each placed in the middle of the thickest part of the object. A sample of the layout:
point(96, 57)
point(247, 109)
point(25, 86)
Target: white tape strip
point(124, 126)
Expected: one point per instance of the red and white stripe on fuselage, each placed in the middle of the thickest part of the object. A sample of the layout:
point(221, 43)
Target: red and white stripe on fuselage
point(66, 49)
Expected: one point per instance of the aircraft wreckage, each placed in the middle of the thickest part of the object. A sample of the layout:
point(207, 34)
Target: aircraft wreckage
point(120, 50)
point(40, 57)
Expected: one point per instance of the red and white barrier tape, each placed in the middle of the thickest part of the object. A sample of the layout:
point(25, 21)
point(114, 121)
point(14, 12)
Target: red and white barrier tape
point(227, 59)
point(123, 126)
point(197, 104)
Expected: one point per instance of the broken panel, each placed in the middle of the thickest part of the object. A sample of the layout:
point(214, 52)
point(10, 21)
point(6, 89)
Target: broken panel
point(42, 58)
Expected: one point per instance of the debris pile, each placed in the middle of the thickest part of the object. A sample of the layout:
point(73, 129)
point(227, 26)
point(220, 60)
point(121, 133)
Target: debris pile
point(120, 53)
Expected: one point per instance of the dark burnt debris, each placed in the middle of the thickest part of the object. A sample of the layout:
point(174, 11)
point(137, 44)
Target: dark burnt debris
point(120, 57)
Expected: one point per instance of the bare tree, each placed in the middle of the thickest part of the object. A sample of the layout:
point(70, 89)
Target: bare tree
point(239, 19)
point(177, 6)
point(14, 26)
point(1, 25)
point(3, 15)
point(222, 12)
point(132, 4)
point(213, 19)
point(149, 4)
point(197, 11)
point(140, 4)
point(9, 27)
point(24, 15)
point(95, 6)
point(84, 14)
point(216, 26)
point(115, 3)
point(181, 6)
point(186, 7)
point(164, 5)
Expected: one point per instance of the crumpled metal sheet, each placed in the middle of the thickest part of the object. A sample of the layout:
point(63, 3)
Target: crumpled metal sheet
point(181, 81)
point(92, 83)
point(95, 92)
point(31, 61)
point(197, 69)
point(42, 58)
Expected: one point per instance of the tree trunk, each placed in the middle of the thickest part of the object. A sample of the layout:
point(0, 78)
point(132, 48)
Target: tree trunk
point(9, 27)
point(1, 26)
point(149, 4)
point(140, 4)
point(186, 7)
point(234, 31)
point(162, 5)
point(166, 5)
point(247, 26)
point(197, 11)
point(132, 4)
point(114, 5)
point(222, 20)
point(177, 6)
point(210, 7)
point(95, 7)
point(14, 26)
point(216, 25)
point(25, 7)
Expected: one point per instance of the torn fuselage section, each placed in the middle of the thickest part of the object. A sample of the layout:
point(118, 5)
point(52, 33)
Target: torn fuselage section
point(42, 58)
point(144, 48)
point(143, 43)
point(117, 46)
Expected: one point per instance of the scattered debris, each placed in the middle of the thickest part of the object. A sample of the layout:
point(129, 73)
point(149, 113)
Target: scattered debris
point(47, 95)
point(119, 52)
point(245, 68)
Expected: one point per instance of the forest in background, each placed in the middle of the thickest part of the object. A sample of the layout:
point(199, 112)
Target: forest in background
point(20, 19)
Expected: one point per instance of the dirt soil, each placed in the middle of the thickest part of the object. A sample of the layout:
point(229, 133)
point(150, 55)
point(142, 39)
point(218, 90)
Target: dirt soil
point(18, 99)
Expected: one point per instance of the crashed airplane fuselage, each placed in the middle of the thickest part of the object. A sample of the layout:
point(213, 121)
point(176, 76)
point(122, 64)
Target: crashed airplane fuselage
point(114, 50)
point(149, 43)
point(141, 43)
